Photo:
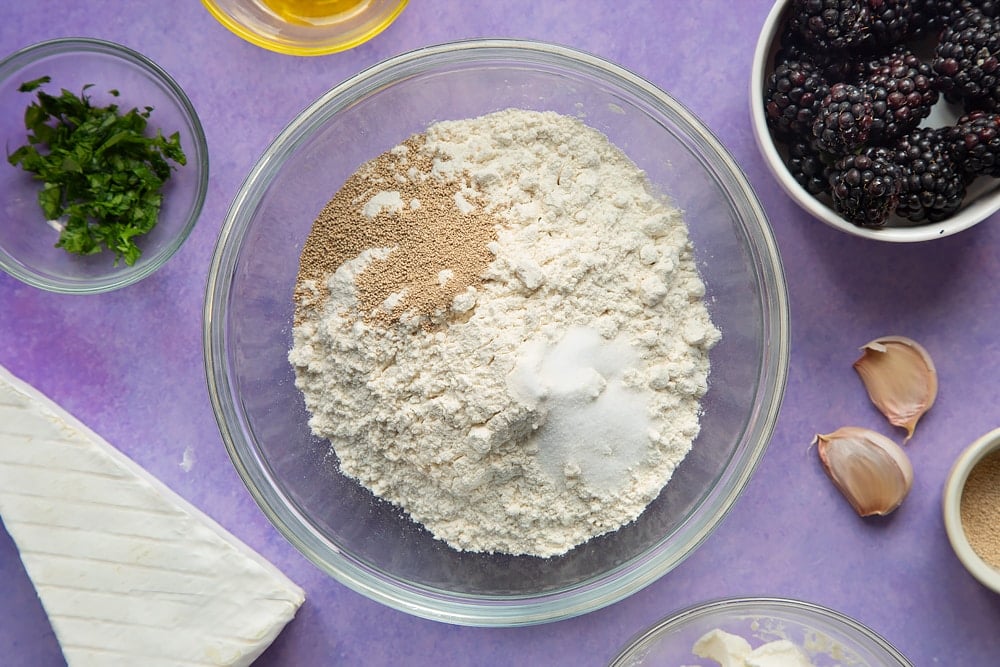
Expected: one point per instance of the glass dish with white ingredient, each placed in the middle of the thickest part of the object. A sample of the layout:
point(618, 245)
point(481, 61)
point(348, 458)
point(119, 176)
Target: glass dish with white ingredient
point(369, 543)
point(816, 635)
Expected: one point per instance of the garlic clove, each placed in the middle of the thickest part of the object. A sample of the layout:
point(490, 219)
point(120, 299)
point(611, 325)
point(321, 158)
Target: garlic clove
point(872, 471)
point(900, 378)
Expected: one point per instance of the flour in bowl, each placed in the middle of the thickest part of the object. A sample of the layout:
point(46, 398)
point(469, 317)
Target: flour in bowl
point(501, 329)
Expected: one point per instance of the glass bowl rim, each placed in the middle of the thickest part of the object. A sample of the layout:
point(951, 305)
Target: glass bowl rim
point(68, 45)
point(750, 604)
point(467, 609)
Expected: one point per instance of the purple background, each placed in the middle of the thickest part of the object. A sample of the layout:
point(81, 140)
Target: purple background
point(129, 363)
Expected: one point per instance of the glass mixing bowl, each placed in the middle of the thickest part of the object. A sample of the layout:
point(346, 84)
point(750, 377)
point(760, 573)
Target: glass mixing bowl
point(829, 638)
point(368, 544)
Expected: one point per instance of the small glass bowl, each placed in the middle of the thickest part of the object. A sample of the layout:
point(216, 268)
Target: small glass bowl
point(954, 488)
point(829, 638)
point(363, 541)
point(27, 242)
point(981, 201)
point(256, 22)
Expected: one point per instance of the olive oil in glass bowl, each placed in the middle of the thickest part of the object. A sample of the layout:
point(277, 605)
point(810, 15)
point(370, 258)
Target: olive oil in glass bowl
point(306, 27)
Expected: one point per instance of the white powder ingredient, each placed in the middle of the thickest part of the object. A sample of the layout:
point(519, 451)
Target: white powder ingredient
point(730, 650)
point(553, 402)
point(187, 459)
point(384, 201)
point(579, 384)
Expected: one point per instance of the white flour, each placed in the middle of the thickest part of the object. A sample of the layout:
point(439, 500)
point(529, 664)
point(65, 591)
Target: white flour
point(554, 400)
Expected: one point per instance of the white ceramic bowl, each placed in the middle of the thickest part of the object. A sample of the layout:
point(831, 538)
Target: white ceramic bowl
point(986, 575)
point(982, 200)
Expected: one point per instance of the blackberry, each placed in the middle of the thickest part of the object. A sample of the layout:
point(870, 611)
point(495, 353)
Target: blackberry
point(967, 61)
point(844, 120)
point(975, 143)
point(865, 187)
point(808, 168)
point(990, 8)
point(929, 16)
point(794, 93)
point(834, 66)
point(890, 20)
point(899, 60)
point(933, 185)
point(831, 24)
point(901, 88)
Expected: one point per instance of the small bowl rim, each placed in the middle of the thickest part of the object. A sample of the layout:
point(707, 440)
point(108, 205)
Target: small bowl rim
point(458, 608)
point(325, 47)
point(954, 487)
point(972, 214)
point(129, 276)
point(748, 605)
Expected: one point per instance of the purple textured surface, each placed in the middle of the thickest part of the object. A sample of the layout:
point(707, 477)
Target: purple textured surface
point(129, 363)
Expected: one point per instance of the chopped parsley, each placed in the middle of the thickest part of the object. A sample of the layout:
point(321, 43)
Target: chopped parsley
point(102, 175)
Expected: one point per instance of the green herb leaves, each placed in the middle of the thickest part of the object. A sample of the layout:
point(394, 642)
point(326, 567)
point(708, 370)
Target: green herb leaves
point(102, 175)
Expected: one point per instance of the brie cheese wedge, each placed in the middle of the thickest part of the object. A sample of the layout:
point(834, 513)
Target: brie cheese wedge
point(128, 572)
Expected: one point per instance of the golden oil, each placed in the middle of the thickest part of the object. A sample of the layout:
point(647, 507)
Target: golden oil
point(315, 12)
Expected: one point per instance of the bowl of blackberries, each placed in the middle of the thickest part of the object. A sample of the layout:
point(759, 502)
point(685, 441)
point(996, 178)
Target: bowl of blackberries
point(882, 117)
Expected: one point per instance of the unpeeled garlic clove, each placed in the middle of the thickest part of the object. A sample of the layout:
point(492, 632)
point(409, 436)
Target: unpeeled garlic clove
point(900, 378)
point(872, 471)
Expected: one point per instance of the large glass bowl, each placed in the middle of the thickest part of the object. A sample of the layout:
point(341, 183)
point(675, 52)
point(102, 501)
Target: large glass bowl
point(368, 544)
point(829, 638)
point(27, 243)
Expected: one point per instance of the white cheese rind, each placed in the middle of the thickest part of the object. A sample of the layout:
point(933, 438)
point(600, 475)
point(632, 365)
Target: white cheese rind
point(128, 572)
